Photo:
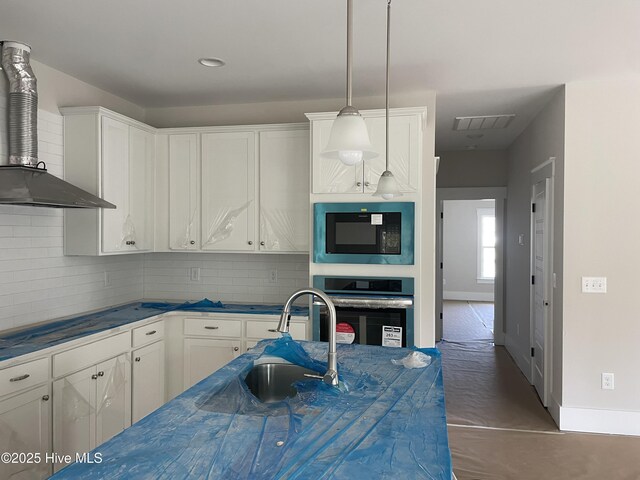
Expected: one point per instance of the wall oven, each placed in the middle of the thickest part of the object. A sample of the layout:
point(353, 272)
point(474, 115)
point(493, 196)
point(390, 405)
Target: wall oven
point(370, 310)
point(381, 233)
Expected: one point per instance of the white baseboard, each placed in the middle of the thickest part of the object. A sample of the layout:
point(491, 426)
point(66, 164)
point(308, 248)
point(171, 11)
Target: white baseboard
point(591, 420)
point(522, 358)
point(471, 296)
point(554, 409)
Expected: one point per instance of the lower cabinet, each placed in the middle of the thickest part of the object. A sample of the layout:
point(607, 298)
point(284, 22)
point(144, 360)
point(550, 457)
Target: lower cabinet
point(148, 380)
point(90, 407)
point(25, 429)
point(203, 356)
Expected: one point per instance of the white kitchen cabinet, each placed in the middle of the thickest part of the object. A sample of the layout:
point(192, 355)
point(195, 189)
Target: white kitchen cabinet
point(405, 136)
point(284, 191)
point(184, 192)
point(228, 191)
point(148, 392)
point(25, 428)
point(91, 406)
point(112, 157)
point(203, 356)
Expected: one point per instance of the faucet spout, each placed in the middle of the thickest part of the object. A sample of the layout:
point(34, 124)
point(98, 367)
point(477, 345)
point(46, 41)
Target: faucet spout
point(331, 375)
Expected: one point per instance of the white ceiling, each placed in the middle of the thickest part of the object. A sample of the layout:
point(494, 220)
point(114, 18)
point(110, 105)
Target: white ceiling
point(481, 57)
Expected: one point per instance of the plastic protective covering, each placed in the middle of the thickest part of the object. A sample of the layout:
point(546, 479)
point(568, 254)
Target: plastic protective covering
point(385, 421)
point(114, 385)
point(335, 175)
point(128, 231)
point(184, 242)
point(277, 230)
point(11, 441)
point(221, 227)
point(32, 339)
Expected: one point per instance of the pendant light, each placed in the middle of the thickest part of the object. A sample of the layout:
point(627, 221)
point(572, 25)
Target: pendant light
point(387, 185)
point(349, 139)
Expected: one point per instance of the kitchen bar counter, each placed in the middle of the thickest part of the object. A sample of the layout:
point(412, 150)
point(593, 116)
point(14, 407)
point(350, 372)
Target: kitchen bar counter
point(45, 335)
point(386, 421)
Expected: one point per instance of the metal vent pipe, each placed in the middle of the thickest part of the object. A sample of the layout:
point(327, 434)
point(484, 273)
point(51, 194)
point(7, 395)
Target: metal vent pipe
point(23, 104)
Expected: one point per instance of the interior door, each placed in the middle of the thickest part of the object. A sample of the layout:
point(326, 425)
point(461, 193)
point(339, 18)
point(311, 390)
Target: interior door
point(540, 287)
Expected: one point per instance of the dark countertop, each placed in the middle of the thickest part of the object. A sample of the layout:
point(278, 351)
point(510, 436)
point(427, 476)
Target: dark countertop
point(386, 421)
point(45, 335)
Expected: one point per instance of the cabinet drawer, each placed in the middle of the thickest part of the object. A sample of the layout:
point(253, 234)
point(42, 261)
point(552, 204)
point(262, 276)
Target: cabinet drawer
point(20, 377)
point(267, 329)
point(90, 354)
point(147, 334)
point(212, 327)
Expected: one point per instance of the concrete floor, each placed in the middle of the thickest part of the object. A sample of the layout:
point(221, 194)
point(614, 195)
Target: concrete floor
point(498, 429)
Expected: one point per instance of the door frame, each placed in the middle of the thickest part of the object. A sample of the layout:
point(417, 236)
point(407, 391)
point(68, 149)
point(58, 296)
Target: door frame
point(499, 194)
point(544, 171)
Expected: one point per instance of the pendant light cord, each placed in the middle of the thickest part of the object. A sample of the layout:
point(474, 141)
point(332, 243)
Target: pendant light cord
point(349, 49)
point(387, 86)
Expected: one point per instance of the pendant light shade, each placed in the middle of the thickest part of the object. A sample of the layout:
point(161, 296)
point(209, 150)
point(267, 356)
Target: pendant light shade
point(388, 187)
point(349, 139)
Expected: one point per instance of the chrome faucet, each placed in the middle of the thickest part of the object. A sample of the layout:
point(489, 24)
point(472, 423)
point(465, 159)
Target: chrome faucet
point(331, 375)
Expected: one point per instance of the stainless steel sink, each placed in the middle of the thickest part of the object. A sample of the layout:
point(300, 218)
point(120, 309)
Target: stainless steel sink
point(272, 382)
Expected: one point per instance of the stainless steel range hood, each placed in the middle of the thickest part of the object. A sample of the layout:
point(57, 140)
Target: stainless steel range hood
point(25, 181)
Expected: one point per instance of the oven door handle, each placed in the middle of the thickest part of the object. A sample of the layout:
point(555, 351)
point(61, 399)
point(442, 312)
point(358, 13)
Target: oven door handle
point(369, 302)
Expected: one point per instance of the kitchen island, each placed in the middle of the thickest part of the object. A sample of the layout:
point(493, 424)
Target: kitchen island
point(385, 421)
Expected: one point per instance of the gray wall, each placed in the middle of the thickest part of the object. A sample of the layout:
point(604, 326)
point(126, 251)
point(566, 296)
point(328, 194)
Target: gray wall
point(460, 250)
point(477, 168)
point(542, 139)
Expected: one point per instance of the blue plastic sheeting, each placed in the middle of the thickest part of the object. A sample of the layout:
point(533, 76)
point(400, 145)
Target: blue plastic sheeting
point(385, 421)
point(32, 339)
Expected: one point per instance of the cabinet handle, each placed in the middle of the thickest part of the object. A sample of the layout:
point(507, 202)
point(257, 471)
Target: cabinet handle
point(137, 359)
point(151, 332)
point(94, 376)
point(211, 328)
point(250, 242)
point(101, 374)
point(358, 184)
point(45, 398)
point(133, 242)
point(273, 330)
point(21, 377)
point(192, 242)
point(366, 184)
point(235, 349)
point(262, 243)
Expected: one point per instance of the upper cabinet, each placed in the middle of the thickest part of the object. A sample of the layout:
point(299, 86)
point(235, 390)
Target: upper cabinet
point(406, 126)
point(233, 189)
point(284, 191)
point(112, 157)
point(228, 191)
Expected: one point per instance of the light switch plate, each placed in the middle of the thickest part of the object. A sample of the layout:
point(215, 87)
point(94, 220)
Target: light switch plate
point(594, 284)
point(194, 274)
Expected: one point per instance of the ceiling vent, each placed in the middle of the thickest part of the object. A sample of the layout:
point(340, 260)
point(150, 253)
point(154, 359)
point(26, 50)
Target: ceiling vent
point(484, 122)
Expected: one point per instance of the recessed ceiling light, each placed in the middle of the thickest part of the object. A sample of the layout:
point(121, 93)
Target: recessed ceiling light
point(475, 136)
point(471, 147)
point(211, 62)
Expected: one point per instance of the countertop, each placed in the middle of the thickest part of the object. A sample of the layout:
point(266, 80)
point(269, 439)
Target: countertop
point(45, 335)
point(386, 421)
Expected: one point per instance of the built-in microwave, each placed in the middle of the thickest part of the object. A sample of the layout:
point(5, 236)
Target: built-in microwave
point(364, 233)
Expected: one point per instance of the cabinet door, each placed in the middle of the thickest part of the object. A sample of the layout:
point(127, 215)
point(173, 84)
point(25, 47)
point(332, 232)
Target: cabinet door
point(148, 380)
point(141, 155)
point(284, 191)
point(404, 151)
point(228, 191)
point(203, 356)
point(184, 192)
point(74, 413)
point(330, 175)
point(113, 401)
point(115, 184)
point(24, 428)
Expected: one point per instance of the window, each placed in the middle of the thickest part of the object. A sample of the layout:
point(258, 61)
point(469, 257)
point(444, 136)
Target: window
point(486, 245)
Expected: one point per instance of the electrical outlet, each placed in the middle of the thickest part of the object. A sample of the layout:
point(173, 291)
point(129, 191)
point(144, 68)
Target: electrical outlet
point(195, 274)
point(273, 276)
point(594, 284)
point(607, 381)
point(107, 279)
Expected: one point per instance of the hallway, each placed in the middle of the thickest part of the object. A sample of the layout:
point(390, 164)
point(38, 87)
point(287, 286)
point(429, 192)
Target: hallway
point(498, 429)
